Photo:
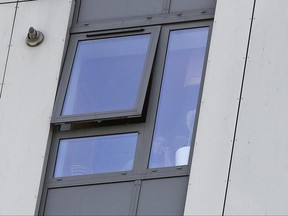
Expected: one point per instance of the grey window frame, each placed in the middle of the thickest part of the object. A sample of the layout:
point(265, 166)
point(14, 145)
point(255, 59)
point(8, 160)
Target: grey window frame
point(156, 86)
point(144, 129)
point(74, 127)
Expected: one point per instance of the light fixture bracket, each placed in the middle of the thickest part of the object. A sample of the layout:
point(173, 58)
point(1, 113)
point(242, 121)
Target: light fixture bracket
point(34, 37)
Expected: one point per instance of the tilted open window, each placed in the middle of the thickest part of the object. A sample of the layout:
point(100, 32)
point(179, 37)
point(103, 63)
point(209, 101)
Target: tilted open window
point(108, 77)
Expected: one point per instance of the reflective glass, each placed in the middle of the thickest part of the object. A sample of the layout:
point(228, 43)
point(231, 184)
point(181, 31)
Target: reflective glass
point(178, 99)
point(91, 155)
point(106, 75)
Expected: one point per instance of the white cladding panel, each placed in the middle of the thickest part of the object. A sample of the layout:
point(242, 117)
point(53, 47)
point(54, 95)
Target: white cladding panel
point(13, 1)
point(5, 1)
point(219, 105)
point(259, 175)
point(27, 101)
point(6, 22)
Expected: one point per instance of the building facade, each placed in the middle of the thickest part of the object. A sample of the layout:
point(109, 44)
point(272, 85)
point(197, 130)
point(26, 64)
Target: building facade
point(165, 107)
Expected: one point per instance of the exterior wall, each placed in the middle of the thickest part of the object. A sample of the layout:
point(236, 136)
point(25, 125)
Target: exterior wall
point(259, 172)
point(218, 112)
point(239, 164)
point(30, 82)
point(253, 131)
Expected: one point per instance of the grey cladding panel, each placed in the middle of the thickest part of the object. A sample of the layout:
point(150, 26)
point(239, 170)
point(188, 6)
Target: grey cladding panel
point(190, 5)
point(106, 199)
point(163, 196)
point(95, 10)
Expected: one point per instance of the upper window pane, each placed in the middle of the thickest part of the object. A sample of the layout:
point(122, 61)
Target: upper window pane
point(106, 75)
point(91, 155)
point(179, 96)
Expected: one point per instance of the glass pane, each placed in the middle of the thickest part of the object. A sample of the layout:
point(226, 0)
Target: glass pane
point(178, 100)
point(106, 75)
point(90, 155)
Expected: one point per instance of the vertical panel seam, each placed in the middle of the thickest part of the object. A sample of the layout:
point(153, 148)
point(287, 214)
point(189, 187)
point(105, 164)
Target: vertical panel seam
point(9, 48)
point(135, 198)
point(239, 106)
point(167, 6)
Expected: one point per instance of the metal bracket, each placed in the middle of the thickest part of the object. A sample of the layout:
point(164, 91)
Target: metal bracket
point(34, 37)
point(65, 127)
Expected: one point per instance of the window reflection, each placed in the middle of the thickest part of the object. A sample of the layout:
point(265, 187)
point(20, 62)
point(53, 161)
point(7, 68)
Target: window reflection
point(179, 96)
point(106, 75)
point(91, 155)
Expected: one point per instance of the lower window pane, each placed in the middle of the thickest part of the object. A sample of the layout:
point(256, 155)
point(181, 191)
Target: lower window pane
point(99, 154)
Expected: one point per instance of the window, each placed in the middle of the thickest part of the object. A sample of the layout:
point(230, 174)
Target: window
point(125, 118)
point(179, 97)
point(109, 75)
point(98, 154)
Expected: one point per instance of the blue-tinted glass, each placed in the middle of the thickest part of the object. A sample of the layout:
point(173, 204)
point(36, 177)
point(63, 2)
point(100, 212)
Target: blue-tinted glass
point(106, 75)
point(100, 154)
point(178, 99)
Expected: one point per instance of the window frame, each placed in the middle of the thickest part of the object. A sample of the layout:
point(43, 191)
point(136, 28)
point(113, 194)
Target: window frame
point(91, 133)
point(138, 110)
point(144, 129)
point(140, 172)
point(157, 85)
point(74, 128)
